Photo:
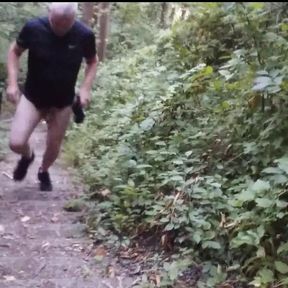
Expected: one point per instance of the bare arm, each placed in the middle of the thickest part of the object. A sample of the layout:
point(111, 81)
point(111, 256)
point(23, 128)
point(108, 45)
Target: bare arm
point(14, 54)
point(90, 73)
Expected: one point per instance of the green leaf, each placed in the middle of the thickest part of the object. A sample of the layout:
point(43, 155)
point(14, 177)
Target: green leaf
point(226, 74)
point(281, 204)
point(261, 83)
point(75, 205)
point(256, 5)
point(256, 282)
point(164, 220)
point(147, 124)
point(178, 162)
point(177, 178)
point(246, 195)
point(260, 186)
point(284, 26)
point(279, 179)
point(282, 248)
point(169, 227)
point(211, 244)
point(284, 167)
point(143, 166)
point(208, 70)
point(272, 170)
point(196, 237)
point(283, 164)
point(264, 202)
point(225, 105)
point(266, 275)
point(280, 215)
point(131, 183)
point(281, 267)
point(249, 237)
point(160, 143)
point(173, 271)
point(261, 252)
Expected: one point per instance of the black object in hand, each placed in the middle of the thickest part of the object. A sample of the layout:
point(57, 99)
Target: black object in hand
point(77, 109)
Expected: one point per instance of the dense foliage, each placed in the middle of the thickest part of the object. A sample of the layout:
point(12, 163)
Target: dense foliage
point(186, 137)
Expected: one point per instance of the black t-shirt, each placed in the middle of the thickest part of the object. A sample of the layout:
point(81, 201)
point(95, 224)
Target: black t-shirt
point(54, 62)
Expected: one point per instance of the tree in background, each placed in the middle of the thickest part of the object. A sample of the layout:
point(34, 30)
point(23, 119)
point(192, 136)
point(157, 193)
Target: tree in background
point(96, 14)
point(103, 26)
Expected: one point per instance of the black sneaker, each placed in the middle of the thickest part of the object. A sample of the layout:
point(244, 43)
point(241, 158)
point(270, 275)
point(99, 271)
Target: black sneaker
point(45, 181)
point(22, 167)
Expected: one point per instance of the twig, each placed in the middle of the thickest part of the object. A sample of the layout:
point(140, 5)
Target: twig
point(7, 175)
point(40, 270)
point(120, 282)
point(136, 281)
point(108, 285)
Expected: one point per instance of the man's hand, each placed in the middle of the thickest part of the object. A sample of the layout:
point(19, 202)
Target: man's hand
point(13, 93)
point(85, 97)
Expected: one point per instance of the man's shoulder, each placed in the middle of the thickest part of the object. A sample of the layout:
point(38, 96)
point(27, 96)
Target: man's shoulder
point(36, 22)
point(83, 28)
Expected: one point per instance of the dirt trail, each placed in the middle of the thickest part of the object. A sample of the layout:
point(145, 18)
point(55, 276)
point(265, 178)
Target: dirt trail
point(41, 244)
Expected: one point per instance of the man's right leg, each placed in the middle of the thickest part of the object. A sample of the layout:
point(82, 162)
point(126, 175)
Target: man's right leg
point(25, 120)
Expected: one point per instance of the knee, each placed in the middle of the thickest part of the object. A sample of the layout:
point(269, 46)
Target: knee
point(16, 146)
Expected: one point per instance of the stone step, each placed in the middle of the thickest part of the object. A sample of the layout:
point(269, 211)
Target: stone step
point(50, 247)
point(41, 267)
point(31, 192)
point(28, 231)
point(38, 211)
point(72, 282)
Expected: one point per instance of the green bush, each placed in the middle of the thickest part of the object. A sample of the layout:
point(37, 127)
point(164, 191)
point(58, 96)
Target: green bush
point(187, 139)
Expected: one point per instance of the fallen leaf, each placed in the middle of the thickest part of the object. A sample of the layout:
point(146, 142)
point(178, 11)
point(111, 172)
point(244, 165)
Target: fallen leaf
point(9, 278)
point(25, 219)
point(54, 219)
point(223, 220)
point(86, 272)
point(46, 244)
point(98, 258)
point(2, 229)
point(100, 251)
point(105, 192)
point(110, 272)
point(157, 280)
point(136, 271)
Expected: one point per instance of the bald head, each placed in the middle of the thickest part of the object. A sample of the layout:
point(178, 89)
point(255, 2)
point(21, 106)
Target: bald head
point(62, 16)
point(64, 8)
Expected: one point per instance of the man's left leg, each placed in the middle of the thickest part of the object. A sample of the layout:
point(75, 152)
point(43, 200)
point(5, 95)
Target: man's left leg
point(57, 122)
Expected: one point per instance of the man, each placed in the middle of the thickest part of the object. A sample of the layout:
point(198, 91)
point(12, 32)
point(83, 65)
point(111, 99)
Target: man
point(56, 44)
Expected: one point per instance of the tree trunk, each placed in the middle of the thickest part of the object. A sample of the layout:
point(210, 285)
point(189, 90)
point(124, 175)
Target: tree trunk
point(163, 17)
point(172, 14)
point(87, 13)
point(103, 29)
point(96, 14)
point(183, 14)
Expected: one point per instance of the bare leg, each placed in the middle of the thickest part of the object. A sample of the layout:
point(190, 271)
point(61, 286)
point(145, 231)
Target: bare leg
point(25, 120)
point(57, 124)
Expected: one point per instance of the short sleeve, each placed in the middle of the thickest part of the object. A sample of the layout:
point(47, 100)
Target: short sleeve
point(89, 45)
point(23, 39)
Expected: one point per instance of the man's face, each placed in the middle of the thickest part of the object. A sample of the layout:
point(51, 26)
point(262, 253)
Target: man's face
point(61, 24)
